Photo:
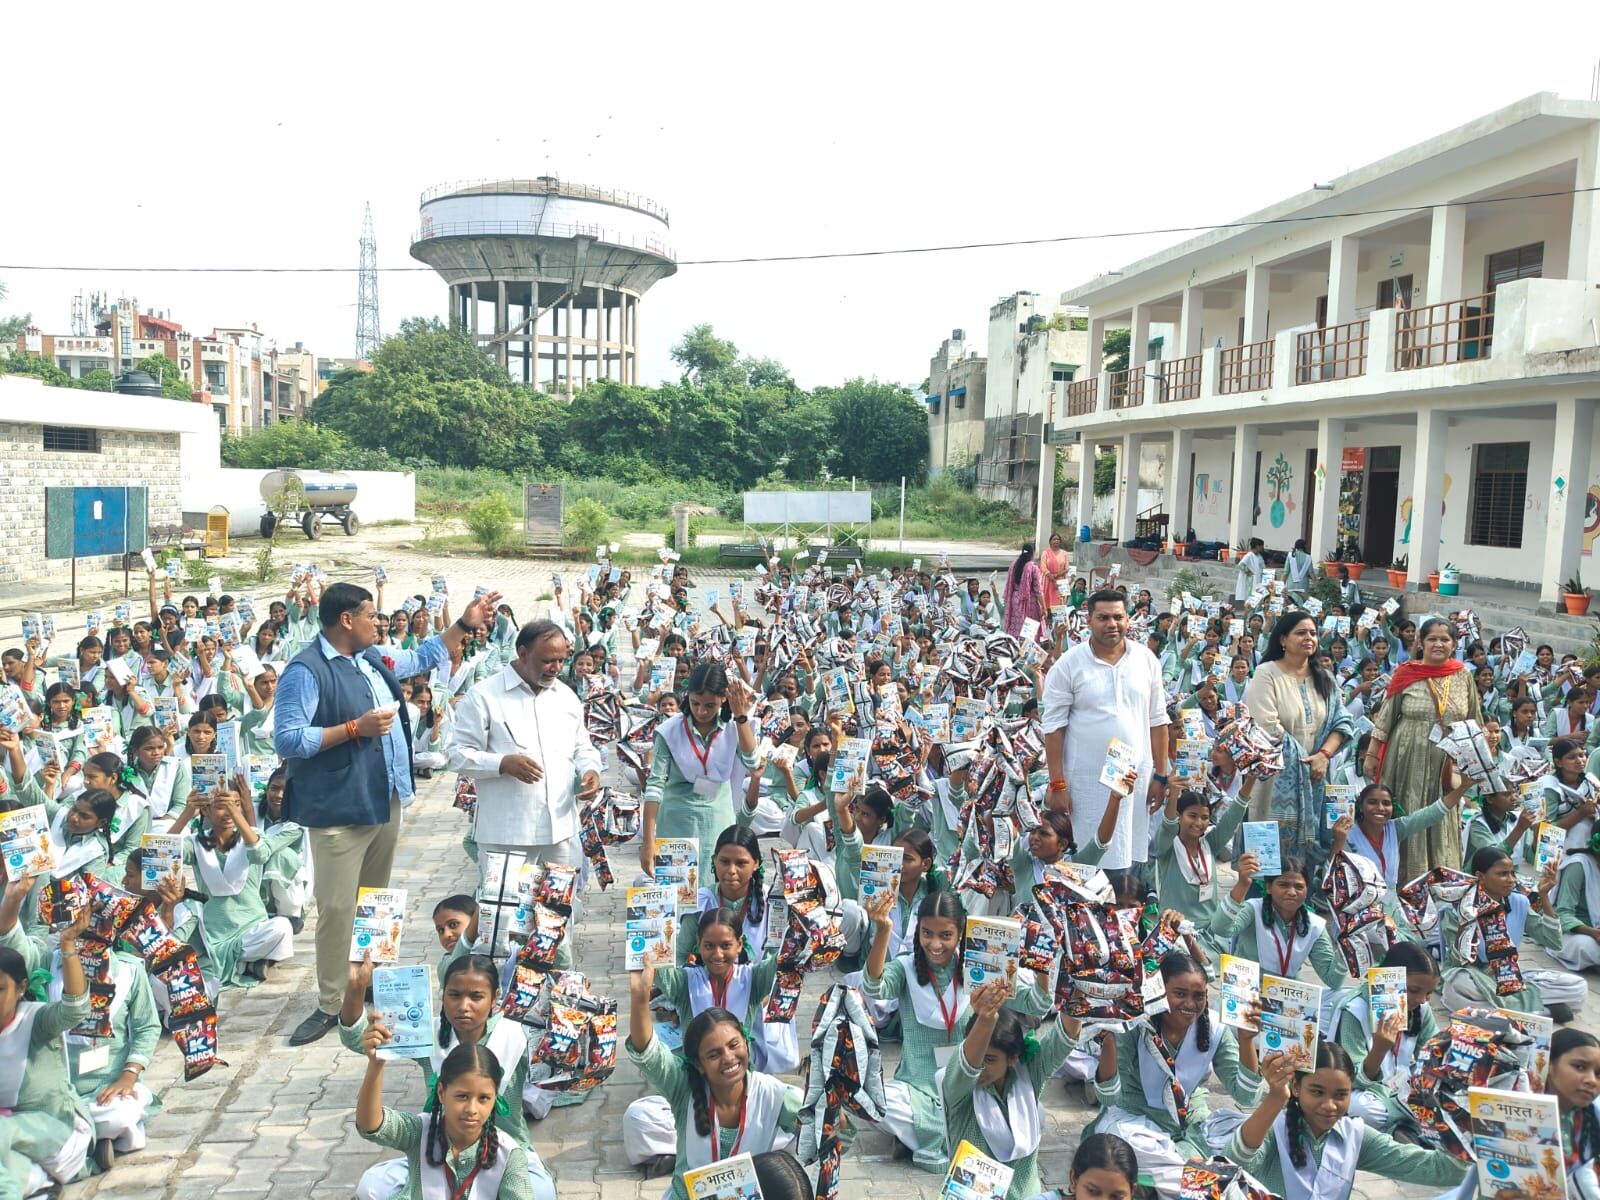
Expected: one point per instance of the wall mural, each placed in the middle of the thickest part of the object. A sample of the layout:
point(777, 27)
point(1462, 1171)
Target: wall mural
point(1405, 511)
point(1208, 494)
point(1280, 478)
point(1591, 518)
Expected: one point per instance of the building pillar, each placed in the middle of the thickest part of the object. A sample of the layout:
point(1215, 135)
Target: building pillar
point(1097, 342)
point(1325, 513)
point(1086, 456)
point(452, 308)
point(1179, 489)
point(1427, 470)
point(1446, 253)
point(1191, 322)
point(1257, 285)
point(1569, 493)
point(502, 324)
point(568, 381)
point(1583, 248)
point(1128, 476)
point(1139, 336)
point(1344, 257)
point(472, 310)
point(1044, 495)
point(1241, 524)
point(632, 353)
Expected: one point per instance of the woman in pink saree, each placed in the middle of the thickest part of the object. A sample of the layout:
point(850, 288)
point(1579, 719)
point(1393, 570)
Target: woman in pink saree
point(1055, 564)
point(1024, 593)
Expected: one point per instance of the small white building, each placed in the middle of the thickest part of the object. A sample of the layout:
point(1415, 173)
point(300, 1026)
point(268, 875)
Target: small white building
point(1406, 360)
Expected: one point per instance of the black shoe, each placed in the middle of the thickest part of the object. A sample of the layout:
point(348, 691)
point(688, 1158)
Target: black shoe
point(297, 924)
point(313, 1028)
point(105, 1154)
point(257, 970)
point(424, 772)
point(902, 1152)
point(660, 1165)
point(1561, 1014)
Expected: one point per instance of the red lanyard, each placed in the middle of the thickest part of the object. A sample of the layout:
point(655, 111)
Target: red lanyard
point(1283, 955)
point(1383, 859)
point(465, 1188)
point(1198, 864)
point(949, 1015)
point(705, 758)
point(716, 1131)
point(719, 995)
point(1577, 1128)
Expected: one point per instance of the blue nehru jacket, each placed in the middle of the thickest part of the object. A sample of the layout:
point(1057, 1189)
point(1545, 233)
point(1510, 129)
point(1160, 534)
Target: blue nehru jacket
point(351, 783)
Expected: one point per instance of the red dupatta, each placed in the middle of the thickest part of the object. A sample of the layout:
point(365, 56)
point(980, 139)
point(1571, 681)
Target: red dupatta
point(1404, 676)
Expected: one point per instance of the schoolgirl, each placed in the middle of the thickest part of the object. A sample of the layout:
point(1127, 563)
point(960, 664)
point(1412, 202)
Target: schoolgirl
point(158, 773)
point(256, 726)
point(131, 821)
point(739, 886)
point(1278, 929)
point(1187, 845)
point(1384, 1050)
point(1574, 1080)
point(201, 737)
point(287, 875)
point(722, 973)
point(1570, 796)
point(64, 722)
point(430, 727)
point(1375, 833)
point(1502, 820)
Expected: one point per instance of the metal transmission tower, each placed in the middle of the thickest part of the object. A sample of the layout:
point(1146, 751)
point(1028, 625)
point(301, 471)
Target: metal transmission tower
point(368, 334)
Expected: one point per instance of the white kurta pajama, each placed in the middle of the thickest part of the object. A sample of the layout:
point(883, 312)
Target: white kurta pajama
point(1097, 701)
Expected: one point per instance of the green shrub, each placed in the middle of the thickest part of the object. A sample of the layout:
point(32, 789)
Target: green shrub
point(490, 520)
point(586, 523)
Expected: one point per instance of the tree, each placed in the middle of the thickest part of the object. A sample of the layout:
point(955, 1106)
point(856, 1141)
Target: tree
point(173, 385)
point(708, 360)
point(1115, 349)
point(880, 430)
point(98, 380)
point(38, 366)
point(287, 444)
point(1105, 473)
point(11, 327)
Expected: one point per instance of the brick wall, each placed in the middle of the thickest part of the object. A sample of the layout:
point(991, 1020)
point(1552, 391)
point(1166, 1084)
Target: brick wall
point(126, 459)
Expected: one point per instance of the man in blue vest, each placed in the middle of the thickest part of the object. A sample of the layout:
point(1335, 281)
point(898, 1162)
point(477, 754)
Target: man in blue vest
point(349, 764)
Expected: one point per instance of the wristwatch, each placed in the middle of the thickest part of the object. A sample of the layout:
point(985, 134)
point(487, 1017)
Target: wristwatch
point(1158, 778)
point(742, 719)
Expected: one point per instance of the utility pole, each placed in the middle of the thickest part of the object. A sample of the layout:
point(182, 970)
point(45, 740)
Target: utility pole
point(368, 332)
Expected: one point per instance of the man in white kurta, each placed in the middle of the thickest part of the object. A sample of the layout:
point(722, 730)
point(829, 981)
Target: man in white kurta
point(1106, 687)
point(520, 735)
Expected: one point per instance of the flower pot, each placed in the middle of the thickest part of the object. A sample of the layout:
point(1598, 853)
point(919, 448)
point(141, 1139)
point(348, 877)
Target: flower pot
point(1355, 569)
point(1577, 603)
point(1331, 569)
point(1397, 579)
point(1180, 549)
point(1222, 555)
point(1433, 581)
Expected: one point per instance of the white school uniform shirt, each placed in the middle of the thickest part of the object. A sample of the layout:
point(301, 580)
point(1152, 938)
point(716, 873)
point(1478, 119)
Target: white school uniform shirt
point(1250, 568)
point(1097, 701)
point(504, 715)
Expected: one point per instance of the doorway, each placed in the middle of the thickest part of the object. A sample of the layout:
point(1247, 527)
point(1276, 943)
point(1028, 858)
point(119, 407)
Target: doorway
point(1383, 505)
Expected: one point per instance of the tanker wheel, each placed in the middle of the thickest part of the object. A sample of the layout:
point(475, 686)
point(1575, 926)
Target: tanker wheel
point(311, 525)
point(269, 525)
point(351, 523)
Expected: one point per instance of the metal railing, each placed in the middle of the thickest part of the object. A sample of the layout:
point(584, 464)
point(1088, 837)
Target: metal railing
point(545, 186)
point(1447, 332)
point(549, 229)
point(1335, 352)
point(1125, 389)
point(1180, 380)
point(1246, 368)
point(1083, 397)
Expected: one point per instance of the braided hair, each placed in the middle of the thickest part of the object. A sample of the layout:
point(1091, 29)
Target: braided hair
point(696, 1032)
point(1177, 964)
point(755, 900)
point(1586, 1130)
point(1291, 865)
point(112, 766)
point(474, 1059)
point(920, 844)
point(477, 964)
point(938, 905)
point(75, 717)
point(104, 806)
point(728, 918)
point(1329, 1054)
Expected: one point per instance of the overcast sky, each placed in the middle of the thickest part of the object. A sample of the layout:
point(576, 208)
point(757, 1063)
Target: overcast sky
point(224, 135)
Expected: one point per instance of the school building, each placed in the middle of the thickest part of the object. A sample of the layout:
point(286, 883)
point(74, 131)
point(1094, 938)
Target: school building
point(1402, 362)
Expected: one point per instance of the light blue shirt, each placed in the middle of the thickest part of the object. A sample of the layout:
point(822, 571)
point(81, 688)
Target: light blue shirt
point(296, 734)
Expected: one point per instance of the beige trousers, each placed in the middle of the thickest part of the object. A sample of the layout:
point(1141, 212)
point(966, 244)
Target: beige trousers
point(347, 858)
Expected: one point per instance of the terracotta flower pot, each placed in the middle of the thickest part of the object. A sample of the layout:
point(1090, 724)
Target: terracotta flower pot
point(1355, 569)
point(1222, 555)
point(1397, 579)
point(1577, 603)
point(1433, 581)
point(1331, 570)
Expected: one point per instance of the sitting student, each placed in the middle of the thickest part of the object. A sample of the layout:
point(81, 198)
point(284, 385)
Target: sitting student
point(1571, 1079)
point(1375, 833)
point(1578, 909)
point(1570, 799)
point(286, 877)
point(158, 773)
point(454, 1147)
point(455, 920)
point(132, 819)
point(1253, 925)
point(718, 1102)
point(1495, 824)
point(1385, 1049)
point(1187, 846)
point(239, 940)
point(1302, 1144)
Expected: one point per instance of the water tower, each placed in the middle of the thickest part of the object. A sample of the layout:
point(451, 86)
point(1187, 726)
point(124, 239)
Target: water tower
point(546, 274)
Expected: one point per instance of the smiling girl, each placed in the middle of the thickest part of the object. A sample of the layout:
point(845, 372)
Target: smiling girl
point(1375, 833)
point(1384, 1049)
point(1278, 930)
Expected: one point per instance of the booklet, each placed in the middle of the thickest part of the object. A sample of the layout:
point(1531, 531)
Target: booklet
point(15, 714)
point(880, 870)
point(973, 1175)
point(1241, 991)
point(166, 711)
point(727, 1179)
point(967, 717)
point(1261, 839)
point(935, 721)
point(1516, 1139)
point(1541, 1029)
point(403, 997)
point(25, 843)
point(651, 926)
point(380, 917)
point(163, 856)
point(1120, 771)
point(1338, 801)
point(992, 949)
point(662, 673)
point(69, 674)
point(677, 865)
point(1289, 1012)
point(1547, 847)
point(1191, 761)
point(1386, 993)
point(100, 728)
point(208, 772)
point(228, 746)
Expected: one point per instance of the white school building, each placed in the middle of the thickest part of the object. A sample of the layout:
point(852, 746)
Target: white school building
point(1406, 360)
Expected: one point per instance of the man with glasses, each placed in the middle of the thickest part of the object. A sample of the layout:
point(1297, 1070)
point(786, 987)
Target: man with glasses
point(349, 764)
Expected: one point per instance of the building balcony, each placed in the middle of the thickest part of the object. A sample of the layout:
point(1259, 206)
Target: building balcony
point(1517, 332)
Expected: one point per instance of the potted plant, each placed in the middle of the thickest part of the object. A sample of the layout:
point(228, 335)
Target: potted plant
point(1397, 571)
point(1355, 567)
point(1575, 597)
point(1330, 565)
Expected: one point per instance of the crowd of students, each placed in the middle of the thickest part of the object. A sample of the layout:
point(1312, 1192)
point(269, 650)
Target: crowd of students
point(819, 667)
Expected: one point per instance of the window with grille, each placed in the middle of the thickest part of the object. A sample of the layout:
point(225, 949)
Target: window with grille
point(1499, 492)
point(1525, 262)
point(71, 439)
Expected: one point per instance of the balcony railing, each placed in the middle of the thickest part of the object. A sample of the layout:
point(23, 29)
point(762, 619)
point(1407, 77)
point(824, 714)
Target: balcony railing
point(1126, 389)
point(1083, 397)
point(1336, 352)
point(1245, 368)
point(1180, 379)
point(1447, 332)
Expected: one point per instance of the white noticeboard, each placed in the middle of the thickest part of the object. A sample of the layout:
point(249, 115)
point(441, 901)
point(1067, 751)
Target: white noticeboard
point(808, 508)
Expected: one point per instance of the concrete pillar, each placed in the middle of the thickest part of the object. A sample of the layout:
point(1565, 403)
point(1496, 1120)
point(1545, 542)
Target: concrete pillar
point(633, 344)
point(452, 308)
point(1569, 464)
point(1097, 340)
point(1179, 490)
point(1257, 284)
point(1128, 478)
point(568, 381)
point(1241, 525)
point(1139, 336)
point(1344, 256)
point(1325, 515)
point(1086, 457)
point(1044, 521)
point(1446, 253)
point(1583, 249)
point(1427, 472)
point(1191, 322)
point(502, 323)
point(472, 310)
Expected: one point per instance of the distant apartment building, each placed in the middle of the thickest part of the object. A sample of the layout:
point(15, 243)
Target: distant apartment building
point(955, 400)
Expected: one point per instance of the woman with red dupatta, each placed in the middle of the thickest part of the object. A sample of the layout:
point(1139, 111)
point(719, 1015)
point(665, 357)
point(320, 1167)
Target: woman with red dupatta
point(1055, 564)
point(1424, 693)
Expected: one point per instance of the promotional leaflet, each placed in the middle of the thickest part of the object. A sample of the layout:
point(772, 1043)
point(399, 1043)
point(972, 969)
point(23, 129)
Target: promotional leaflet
point(992, 949)
point(651, 926)
point(677, 865)
point(967, 718)
point(728, 1179)
point(1386, 993)
point(1516, 1139)
point(973, 1175)
point(1289, 1011)
point(228, 746)
point(1120, 771)
point(208, 772)
point(1261, 839)
point(1547, 847)
point(403, 998)
point(380, 918)
point(166, 712)
point(25, 843)
point(880, 870)
point(1338, 801)
point(163, 857)
point(1241, 991)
